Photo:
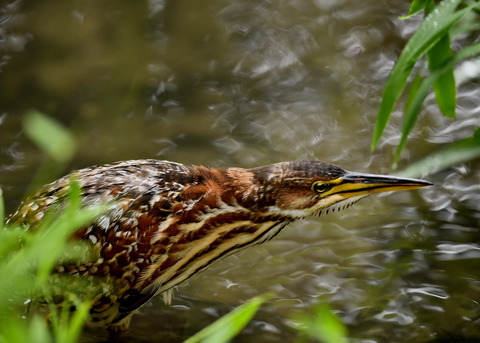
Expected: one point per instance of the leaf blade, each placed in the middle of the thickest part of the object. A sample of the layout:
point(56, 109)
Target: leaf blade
point(415, 7)
point(228, 326)
point(433, 28)
point(444, 86)
point(49, 135)
point(458, 152)
point(2, 210)
point(324, 326)
point(414, 105)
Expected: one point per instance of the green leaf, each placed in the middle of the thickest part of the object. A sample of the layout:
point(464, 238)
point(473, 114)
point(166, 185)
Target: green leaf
point(2, 210)
point(461, 151)
point(409, 121)
point(49, 135)
point(444, 86)
point(26, 253)
point(67, 326)
point(43, 248)
point(227, 327)
point(14, 330)
point(433, 28)
point(10, 241)
point(77, 322)
point(415, 7)
point(54, 235)
point(74, 196)
point(323, 326)
point(38, 331)
point(412, 93)
point(414, 105)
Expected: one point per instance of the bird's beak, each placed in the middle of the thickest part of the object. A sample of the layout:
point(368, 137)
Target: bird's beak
point(353, 184)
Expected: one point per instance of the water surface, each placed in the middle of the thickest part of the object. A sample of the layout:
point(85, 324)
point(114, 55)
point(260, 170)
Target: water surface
point(246, 83)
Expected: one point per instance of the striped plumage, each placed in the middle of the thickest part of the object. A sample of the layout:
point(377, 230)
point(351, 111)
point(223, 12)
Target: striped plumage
point(169, 221)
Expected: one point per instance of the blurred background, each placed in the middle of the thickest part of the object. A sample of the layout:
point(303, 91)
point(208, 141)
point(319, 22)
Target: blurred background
point(246, 83)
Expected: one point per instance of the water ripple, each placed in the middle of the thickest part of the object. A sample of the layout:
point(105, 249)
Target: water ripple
point(447, 252)
point(393, 316)
point(430, 290)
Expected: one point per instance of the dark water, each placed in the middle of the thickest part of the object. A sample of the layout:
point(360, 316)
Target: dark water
point(246, 83)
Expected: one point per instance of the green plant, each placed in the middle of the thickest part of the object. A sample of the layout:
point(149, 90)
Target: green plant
point(321, 325)
point(228, 326)
point(54, 140)
point(27, 260)
point(432, 39)
point(27, 257)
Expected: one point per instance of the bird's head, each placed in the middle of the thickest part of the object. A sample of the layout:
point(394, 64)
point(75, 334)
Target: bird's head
point(303, 188)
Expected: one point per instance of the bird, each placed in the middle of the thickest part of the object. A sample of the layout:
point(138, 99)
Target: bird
point(167, 221)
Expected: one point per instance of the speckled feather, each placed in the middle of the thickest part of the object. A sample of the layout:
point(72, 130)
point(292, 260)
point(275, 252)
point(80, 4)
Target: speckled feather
point(169, 221)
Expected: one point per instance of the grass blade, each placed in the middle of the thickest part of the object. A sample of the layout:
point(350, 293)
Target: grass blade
point(434, 27)
point(2, 210)
point(77, 321)
point(227, 327)
point(415, 7)
point(67, 326)
point(38, 331)
point(324, 326)
point(461, 151)
point(411, 118)
point(53, 138)
point(414, 105)
point(16, 331)
point(55, 237)
point(444, 85)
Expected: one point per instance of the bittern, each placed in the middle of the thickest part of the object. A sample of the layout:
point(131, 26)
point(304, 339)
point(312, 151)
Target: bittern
point(168, 221)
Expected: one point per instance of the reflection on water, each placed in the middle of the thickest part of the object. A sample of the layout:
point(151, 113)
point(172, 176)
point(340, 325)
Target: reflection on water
point(248, 83)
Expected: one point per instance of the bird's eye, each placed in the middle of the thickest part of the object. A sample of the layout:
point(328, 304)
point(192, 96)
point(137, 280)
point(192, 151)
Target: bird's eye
point(320, 187)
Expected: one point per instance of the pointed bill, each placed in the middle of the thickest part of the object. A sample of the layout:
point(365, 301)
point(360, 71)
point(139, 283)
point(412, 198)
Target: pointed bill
point(354, 184)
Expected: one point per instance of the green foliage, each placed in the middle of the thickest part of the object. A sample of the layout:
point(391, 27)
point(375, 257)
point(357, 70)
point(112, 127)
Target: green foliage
point(2, 211)
point(54, 140)
point(227, 327)
point(419, 92)
point(50, 136)
point(322, 326)
point(432, 39)
point(444, 85)
point(66, 329)
point(461, 151)
point(27, 259)
point(416, 6)
point(67, 326)
point(16, 331)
